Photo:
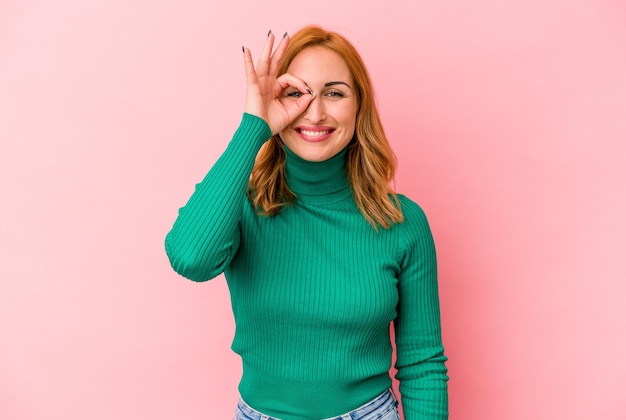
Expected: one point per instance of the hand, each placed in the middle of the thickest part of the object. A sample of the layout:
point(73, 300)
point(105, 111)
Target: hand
point(264, 88)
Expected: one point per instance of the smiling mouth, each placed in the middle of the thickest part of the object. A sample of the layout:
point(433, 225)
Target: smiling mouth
point(314, 133)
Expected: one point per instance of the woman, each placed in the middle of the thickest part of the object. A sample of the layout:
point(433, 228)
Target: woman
point(320, 255)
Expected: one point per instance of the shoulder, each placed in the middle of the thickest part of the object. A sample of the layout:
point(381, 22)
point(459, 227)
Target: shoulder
point(413, 212)
point(415, 227)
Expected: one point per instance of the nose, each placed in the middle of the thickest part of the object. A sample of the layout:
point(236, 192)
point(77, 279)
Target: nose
point(315, 112)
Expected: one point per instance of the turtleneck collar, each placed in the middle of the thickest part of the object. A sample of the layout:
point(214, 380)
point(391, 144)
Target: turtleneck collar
point(317, 181)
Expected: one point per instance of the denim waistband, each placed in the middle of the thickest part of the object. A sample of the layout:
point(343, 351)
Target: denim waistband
point(370, 410)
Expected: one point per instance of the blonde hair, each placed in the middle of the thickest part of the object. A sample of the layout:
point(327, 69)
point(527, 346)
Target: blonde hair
point(370, 162)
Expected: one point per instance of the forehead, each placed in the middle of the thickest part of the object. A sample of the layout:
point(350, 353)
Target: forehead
point(319, 64)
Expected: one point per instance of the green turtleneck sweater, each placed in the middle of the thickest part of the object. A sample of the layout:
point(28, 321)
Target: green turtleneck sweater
point(315, 288)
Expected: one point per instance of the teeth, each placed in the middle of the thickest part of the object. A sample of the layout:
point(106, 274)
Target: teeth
point(314, 133)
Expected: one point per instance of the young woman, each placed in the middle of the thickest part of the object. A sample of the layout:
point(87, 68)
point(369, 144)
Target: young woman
point(319, 253)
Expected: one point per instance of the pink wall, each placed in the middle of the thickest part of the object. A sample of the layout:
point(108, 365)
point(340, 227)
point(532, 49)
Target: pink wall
point(509, 121)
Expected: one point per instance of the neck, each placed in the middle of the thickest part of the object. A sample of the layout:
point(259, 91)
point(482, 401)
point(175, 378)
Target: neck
point(317, 181)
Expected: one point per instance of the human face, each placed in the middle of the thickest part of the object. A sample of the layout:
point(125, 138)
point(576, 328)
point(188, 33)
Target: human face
point(328, 123)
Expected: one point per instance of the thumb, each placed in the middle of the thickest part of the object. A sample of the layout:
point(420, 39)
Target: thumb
point(304, 101)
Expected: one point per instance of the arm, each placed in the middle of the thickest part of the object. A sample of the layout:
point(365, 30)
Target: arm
point(420, 360)
point(205, 236)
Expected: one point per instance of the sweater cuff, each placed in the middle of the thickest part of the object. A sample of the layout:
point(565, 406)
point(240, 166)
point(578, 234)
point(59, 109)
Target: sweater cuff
point(254, 123)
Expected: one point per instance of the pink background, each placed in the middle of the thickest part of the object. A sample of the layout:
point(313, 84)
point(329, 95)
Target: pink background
point(509, 121)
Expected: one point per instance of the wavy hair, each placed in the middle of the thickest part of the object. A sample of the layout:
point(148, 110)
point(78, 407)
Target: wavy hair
point(370, 162)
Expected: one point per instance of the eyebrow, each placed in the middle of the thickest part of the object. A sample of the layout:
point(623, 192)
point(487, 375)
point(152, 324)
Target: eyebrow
point(336, 83)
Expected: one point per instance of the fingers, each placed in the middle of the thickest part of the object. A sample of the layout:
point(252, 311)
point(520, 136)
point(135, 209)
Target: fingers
point(286, 80)
point(268, 62)
point(278, 54)
point(297, 107)
point(251, 77)
point(263, 64)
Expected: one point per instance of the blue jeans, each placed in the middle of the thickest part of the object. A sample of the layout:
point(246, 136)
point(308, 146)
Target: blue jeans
point(383, 407)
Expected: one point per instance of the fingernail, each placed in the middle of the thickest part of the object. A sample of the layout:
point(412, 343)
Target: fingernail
point(269, 33)
point(285, 35)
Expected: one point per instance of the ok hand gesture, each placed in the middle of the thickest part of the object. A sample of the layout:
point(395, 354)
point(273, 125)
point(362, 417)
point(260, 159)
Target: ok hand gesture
point(264, 88)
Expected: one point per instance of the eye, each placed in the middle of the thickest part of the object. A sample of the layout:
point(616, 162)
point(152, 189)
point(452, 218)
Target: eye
point(294, 94)
point(335, 94)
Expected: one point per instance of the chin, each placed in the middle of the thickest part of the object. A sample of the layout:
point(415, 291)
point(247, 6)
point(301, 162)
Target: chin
point(313, 154)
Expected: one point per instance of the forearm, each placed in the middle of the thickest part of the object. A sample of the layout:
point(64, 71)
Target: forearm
point(205, 235)
point(420, 360)
point(424, 388)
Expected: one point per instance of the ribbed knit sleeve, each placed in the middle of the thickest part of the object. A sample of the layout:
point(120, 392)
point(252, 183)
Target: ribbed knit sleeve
point(420, 358)
point(205, 236)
